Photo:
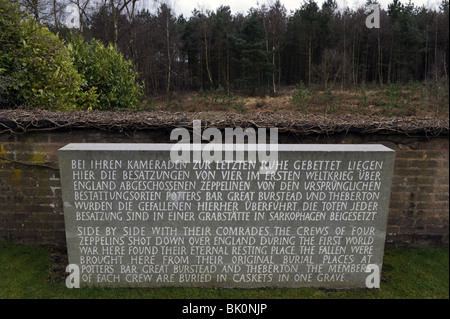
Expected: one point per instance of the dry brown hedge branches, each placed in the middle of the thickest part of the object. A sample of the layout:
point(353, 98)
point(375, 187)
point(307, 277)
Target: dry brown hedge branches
point(22, 121)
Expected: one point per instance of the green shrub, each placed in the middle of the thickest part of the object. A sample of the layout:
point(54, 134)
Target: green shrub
point(106, 70)
point(300, 98)
point(36, 69)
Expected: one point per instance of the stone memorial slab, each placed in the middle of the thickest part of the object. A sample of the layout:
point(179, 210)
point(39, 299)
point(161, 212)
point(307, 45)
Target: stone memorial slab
point(135, 218)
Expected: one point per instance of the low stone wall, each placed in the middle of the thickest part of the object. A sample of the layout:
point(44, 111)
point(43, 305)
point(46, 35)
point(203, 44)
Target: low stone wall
point(31, 209)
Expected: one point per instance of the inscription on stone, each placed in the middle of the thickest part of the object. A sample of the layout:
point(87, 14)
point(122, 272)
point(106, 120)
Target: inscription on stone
point(134, 218)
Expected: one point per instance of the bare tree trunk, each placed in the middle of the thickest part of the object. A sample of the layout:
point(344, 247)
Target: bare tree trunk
point(390, 61)
point(55, 18)
point(131, 13)
point(274, 85)
point(267, 44)
point(366, 60)
point(116, 11)
point(344, 66)
point(169, 57)
point(435, 51)
point(445, 65)
point(228, 69)
point(380, 60)
point(309, 61)
point(115, 21)
point(426, 54)
point(274, 76)
point(82, 11)
point(34, 6)
point(353, 60)
point(207, 54)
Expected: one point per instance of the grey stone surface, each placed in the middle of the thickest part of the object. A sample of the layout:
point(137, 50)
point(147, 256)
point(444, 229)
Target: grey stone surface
point(133, 218)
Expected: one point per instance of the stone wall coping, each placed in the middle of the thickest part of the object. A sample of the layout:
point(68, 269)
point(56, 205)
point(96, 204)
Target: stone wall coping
point(22, 121)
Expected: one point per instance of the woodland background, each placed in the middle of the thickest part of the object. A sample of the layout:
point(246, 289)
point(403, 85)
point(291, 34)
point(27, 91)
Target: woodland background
point(265, 49)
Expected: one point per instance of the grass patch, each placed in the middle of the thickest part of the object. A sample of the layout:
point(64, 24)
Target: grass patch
point(420, 99)
point(27, 272)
